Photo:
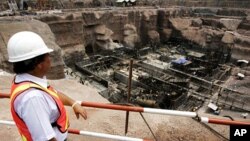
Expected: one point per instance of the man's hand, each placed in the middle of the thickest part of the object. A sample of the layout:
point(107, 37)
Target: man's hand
point(79, 110)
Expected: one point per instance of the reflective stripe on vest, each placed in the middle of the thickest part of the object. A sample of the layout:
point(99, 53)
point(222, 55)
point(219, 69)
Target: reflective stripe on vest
point(62, 122)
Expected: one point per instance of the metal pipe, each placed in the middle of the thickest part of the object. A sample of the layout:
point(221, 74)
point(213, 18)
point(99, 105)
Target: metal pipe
point(102, 135)
point(98, 105)
point(7, 122)
point(112, 106)
point(4, 95)
point(163, 112)
point(87, 133)
point(139, 109)
point(222, 121)
point(170, 112)
point(129, 93)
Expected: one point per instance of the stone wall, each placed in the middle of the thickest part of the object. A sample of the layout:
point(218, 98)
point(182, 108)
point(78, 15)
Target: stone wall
point(8, 27)
point(67, 4)
point(201, 27)
point(190, 3)
point(206, 3)
point(68, 31)
point(79, 33)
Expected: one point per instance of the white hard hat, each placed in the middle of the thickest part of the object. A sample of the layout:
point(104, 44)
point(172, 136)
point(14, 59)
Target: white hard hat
point(26, 45)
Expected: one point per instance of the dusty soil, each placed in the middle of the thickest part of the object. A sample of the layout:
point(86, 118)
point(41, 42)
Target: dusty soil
point(112, 122)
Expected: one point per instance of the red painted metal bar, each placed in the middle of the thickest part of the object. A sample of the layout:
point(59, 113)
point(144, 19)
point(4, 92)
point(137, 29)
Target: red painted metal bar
point(112, 106)
point(160, 111)
point(2, 95)
point(87, 133)
point(99, 105)
point(157, 111)
point(102, 135)
point(74, 131)
point(129, 93)
point(223, 121)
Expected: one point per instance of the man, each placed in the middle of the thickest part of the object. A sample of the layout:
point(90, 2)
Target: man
point(36, 107)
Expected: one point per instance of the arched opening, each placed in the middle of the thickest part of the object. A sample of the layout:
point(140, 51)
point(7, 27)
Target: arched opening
point(89, 50)
point(116, 41)
point(25, 5)
point(22, 4)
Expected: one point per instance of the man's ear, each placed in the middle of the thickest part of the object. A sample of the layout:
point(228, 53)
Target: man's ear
point(39, 66)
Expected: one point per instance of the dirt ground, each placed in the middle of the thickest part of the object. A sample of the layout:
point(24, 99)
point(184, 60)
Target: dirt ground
point(112, 122)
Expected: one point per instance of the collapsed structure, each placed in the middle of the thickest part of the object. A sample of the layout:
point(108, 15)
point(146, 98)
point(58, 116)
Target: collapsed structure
point(170, 77)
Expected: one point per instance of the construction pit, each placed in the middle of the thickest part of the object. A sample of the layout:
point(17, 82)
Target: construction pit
point(181, 57)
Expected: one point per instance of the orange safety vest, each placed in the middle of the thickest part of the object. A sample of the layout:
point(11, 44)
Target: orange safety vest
point(62, 122)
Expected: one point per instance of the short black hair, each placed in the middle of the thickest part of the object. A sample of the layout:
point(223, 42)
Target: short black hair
point(27, 65)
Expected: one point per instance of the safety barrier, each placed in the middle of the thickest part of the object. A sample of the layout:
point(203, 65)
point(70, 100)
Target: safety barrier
point(157, 111)
point(138, 109)
point(87, 133)
point(4, 95)
point(164, 112)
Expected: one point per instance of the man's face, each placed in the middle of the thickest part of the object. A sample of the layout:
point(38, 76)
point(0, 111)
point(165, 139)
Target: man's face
point(45, 65)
